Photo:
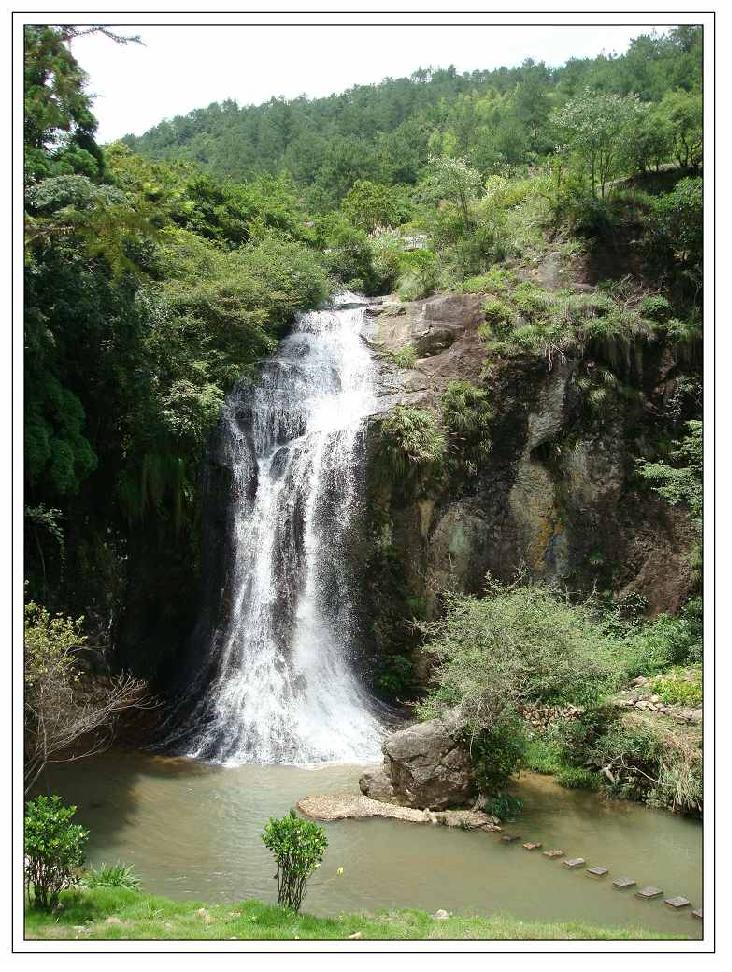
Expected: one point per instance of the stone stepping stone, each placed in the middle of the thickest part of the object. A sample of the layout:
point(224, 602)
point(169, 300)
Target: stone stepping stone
point(624, 882)
point(649, 892)
point(554, 853)
point(531, 845)
point(510, 838)
point(697, 913)
point(573, 862)
point(597, 871)
point(677, 902)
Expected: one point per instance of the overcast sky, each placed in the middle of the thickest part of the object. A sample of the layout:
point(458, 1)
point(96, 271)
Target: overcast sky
point(182, 68)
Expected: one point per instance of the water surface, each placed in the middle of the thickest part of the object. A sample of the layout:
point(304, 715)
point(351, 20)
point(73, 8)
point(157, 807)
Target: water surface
point(192, 830)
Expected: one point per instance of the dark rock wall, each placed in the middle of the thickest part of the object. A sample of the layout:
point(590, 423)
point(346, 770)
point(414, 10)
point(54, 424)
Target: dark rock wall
point(557, 497)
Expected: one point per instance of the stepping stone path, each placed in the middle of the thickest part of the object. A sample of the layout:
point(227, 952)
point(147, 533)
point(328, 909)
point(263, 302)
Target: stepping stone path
point(649, 892)
point(597, 871)
point(510, 838)
point(624, 882)
point(574, 862)
point(677, 902)
point(531, 845)
point(554, 853)
point(697, 913)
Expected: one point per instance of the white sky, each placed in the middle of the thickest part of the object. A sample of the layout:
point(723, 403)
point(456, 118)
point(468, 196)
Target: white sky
point(187, 67)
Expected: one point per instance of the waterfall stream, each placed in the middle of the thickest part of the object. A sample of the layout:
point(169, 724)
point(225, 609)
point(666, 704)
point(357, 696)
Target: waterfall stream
point(284, 689)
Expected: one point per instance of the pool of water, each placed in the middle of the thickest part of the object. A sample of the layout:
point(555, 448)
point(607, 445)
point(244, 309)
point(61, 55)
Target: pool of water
point(192, 830)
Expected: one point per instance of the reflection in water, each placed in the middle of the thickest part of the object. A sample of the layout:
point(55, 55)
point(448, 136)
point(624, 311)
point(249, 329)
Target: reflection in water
point(192, 830)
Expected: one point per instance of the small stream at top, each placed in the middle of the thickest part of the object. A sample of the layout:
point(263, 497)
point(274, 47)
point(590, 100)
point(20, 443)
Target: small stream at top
point(192, 830)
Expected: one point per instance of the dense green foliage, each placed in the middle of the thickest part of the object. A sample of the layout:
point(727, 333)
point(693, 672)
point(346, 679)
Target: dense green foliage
point(143, 917)
point(520, 646)
point(54, 849)
point(298, 847)
point(497, 120)
point(150, 288)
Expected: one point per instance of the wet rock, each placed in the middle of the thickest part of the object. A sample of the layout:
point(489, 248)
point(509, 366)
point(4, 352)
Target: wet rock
point(428, 765)
point(377, 785)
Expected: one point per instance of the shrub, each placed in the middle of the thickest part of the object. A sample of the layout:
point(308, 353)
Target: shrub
point(467, 414)
point(655, 307)
point(497, 753)
point(112, 876)
point(298, 847)
point(498, 314)
point(504, 805)
point(652, 647)
point(496, 280)
point(519, 644)
point(405, 357)
point(412, 441)
point(54, 849)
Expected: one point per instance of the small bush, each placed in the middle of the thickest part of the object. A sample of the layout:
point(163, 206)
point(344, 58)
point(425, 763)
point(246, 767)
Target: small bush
point(405, 357)
point(504, 806)
point(655, 307)
point(650, 648)
point(498, 315)
point(497, 753)
point(54, 849)
point(496, 280)
point(577, 778)
point(467, 414)
point(412, 441)
point(298, 847)
point(112, 876)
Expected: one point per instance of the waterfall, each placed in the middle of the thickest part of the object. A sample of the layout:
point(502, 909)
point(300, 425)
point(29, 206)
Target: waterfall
point(283, 687)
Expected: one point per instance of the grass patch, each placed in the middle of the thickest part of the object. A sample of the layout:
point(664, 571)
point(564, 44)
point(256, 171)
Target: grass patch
point(123, 914)
point(679, 686)
point(404, 357)
point(543, 756)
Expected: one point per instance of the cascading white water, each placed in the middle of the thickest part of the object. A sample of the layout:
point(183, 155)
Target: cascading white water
point(284, 689)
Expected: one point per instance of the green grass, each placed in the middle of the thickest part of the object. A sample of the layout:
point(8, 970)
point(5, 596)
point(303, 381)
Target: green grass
point(120, 913)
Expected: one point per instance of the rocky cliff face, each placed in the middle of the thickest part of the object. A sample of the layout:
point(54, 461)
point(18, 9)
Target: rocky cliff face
point(556, 497)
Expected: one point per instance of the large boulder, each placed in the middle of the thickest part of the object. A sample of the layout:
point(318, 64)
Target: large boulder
point(426, 765)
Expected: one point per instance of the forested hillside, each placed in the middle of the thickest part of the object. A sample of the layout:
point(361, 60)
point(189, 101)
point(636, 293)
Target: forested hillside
point(499, 120)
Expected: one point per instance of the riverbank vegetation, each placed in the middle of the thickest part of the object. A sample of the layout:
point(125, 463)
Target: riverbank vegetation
point(537, 679)
point(114, 914)
point(160, 270)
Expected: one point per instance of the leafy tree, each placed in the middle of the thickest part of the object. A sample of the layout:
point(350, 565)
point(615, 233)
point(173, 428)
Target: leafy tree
point(58, 125)
point(54, 849)
point(62, 709)
point(675, 240)
point(593, 127)
point(681, 111)
point(298, 847)
point(454, 181)
point(371, 204)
